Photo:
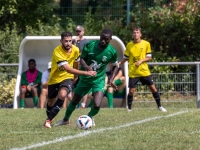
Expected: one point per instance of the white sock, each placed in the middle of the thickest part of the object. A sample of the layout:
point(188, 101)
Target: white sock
point(83, 105)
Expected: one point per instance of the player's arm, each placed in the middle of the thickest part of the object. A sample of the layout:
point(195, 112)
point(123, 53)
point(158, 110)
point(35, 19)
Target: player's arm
point(113, 74)
point(83, 63)
point(148, 58)
point(67, 67)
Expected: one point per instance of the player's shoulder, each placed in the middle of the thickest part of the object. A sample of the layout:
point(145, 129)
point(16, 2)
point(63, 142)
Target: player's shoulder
point(91, 44)
point(145, 41)
point(74, 48)
point(111, 48)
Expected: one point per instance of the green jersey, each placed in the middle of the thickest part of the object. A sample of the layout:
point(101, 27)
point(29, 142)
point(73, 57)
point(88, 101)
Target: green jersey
point(98, 59)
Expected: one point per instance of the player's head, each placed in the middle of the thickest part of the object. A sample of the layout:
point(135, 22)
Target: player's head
point(79, 31)
point(66, 40)
point(137, 33)
point(31, 64)
point(105, 38)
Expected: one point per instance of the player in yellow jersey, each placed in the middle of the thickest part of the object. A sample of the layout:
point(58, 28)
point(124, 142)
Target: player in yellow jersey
point(64, 58)
point(137, 53)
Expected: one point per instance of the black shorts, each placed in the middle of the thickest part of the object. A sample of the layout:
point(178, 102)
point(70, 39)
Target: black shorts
point(144, 80)
point(54, 88)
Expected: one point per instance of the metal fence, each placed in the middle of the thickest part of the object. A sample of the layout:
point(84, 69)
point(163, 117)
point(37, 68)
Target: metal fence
point(173, 87)
point(77, 9)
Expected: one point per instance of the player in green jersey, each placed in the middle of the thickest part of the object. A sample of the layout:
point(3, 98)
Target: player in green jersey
point(96, 55)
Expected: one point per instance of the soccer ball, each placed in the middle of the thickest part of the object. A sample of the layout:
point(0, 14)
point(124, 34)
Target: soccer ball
point(84, 122)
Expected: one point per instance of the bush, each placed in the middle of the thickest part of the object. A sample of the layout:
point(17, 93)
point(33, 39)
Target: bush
point(7, 88)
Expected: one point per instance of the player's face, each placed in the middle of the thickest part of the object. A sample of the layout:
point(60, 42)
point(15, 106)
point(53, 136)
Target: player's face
point(66, 42)
point(31, 65)
point(104, 40)
point(136, 34)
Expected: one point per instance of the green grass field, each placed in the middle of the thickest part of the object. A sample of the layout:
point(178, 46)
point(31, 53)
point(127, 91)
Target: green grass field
point(116, 129)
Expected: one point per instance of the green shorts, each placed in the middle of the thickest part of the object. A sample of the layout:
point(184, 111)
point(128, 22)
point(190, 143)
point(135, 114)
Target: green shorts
point(84, 87)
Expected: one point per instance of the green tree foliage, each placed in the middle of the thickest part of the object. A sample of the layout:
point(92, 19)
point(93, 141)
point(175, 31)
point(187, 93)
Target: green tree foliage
point(26, 13)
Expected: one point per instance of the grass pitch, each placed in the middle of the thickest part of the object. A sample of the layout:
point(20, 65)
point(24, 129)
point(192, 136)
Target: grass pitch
point(116, 129)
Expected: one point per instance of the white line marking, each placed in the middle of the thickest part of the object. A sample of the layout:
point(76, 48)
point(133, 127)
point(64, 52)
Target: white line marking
point(61, 139)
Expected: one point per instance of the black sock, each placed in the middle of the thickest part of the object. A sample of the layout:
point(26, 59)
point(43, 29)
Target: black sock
point(129, 100)
point(56, 108)
point(157, 98)
point(48, 109)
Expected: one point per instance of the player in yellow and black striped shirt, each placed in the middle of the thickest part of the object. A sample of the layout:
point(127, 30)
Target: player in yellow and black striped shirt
point(62, 75)
point(137, 53)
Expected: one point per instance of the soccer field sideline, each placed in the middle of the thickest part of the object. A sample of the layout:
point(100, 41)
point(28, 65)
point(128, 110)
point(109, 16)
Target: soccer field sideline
point(87, 132)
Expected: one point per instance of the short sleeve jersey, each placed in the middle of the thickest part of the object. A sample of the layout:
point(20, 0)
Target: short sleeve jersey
point(45, 76)
point(59, 56)
point(135, 52)
point(98, 59)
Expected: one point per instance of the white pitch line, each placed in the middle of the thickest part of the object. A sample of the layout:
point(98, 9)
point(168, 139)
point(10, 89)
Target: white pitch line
point(61, 139)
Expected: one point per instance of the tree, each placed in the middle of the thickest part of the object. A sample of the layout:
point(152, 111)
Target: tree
point(26, 13)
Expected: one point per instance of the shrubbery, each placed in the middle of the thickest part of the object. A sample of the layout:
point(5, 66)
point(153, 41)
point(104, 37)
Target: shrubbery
point(7, 88)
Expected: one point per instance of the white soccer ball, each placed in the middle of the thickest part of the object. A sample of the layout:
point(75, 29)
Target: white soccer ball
point(84, 122)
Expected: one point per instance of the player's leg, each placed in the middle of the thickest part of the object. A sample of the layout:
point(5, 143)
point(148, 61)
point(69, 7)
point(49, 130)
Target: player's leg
point(43, 97)
point(22, 96)
point(80, 90)
point(34, 91)
point(109, 95)
point(64, 88)
point(132, 87)
point(98, 94)
point(149, 82)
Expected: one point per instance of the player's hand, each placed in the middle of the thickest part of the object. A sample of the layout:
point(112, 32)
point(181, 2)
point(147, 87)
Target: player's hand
point(90, 73)
point(88, 68)
point(28, 88)
point(114, 86)
point(138, 63)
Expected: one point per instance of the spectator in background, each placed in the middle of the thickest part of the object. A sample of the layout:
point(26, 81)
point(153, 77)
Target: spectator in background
point(119, 81)
point(44, 91)
point(80, 42)
point(30, 83)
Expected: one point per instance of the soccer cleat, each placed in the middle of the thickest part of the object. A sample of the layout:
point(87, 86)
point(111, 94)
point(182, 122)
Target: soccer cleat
point(62, 122)
point(162, 109)
point(47, 124)
point(129, 110)
point(93, 123)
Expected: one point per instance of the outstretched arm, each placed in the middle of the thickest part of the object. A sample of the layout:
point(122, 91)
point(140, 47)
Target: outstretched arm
point(122, 61)
point(75, 71)
point(83, 63)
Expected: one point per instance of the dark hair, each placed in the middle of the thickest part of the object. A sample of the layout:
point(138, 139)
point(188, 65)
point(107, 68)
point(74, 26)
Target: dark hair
point(137, 28)
point(107, 31)
point(66, 34)
point(32, 60)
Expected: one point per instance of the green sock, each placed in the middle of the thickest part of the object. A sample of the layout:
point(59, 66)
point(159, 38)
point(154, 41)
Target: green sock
point(117, 82)
point(93, 111)
point(35, 101)
point(21, 103)
point(110, 99)
point(91, 103)
point(69, 110)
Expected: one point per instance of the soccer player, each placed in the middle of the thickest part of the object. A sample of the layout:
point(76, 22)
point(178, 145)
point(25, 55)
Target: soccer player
point(138, 52)
point(61, 76)
point(96, 55)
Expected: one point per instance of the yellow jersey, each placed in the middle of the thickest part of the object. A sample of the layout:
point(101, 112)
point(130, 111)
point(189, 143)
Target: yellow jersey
point(135, 52)
point(59, 58)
